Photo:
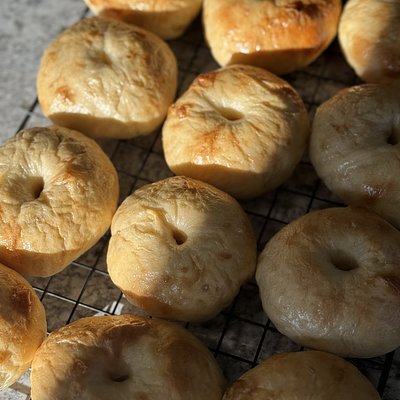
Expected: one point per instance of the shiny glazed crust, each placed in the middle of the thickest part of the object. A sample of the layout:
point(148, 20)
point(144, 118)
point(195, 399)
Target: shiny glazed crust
point(239, 128)
point(58, 194)
point(278, 35)
point(106, 78)
point(168, 19)
point(369, 34)
point(331, 281)
point(22, 325)
point(302, 375)
point(180, 249)
point(124, 357)
point(355, 149)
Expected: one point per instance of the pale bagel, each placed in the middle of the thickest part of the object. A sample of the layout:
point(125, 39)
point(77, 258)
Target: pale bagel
point(168, 19)
point(239, 128)
point(355, 149)
point(280, 36)
point(124, 357)
point(22, 325)
point(302, 376)
point(369, 34)
point(106, 78)
point(330, 281)
point(58, 194)
point(180, 249)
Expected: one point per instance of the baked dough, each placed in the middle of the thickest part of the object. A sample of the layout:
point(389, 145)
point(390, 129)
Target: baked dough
point(354, 147)
point(369, 34)
point(107, 78)
point(168, 19)
point(278, 35)
point(180, 249)
point(22, 325)
point(124, 357)
point(330, 281)
point(58, 193)
point(302, 375)
point(240, 128)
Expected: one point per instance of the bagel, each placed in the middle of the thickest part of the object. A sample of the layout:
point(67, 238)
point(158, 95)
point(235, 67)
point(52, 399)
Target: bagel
point(302, 375)
point(22, 325)
point(58, 194)
point(373, 52)
point(106, 78)
point(278, 35)
point(124, 357)
point(180, 249)
point(240, 128)
point(167, 19)
point(331, 281)
point(354, 147)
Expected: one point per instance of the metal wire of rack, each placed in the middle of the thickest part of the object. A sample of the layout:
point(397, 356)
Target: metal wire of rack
point(242, 335)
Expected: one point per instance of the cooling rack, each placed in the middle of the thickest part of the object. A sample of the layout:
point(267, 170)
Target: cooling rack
point(242, 335)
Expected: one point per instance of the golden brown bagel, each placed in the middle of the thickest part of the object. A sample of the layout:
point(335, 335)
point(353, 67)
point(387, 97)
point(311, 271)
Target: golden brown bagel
point(167, 19)
point(330, 281)
point(303, 375)
point(107, 78)
point(180, 249)
point(58, 193)
point(239, 128)
point(369, 34)
point(22, 325)
point(124, 357)
point(278, 35)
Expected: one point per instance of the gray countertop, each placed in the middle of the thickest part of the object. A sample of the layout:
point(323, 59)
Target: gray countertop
point(26, 28)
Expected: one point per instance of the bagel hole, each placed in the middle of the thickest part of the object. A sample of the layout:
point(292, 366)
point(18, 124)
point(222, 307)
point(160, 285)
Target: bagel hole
point(119, 378)
point(394, 138)
point(36, 186)
point(344, 262)
point(230, 114)
point(179, 236)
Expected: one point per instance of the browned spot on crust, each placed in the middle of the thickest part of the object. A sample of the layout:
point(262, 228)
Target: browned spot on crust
point(373, 193)
point(392, 281)
point(206, 148)
point(22, 300)
point(65, 94)
point(207, 79)
point(183, 111)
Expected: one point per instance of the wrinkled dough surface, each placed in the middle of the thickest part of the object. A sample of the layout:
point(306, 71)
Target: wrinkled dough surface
point(58, 193)
point(181, 249)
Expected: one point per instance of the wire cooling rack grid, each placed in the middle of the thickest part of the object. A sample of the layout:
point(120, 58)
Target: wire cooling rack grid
point(241, 336)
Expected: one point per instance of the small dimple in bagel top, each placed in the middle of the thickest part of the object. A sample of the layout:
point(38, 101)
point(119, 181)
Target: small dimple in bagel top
point(107, 78)
point(58, 193)
point(279, 35)
point(124, 357)
point(180, 249)
point(355, 149)
point(302, 375)
point(331, 281)
point(168, 19)
point(22, 325)
point(369, 35)
point(239, 128)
